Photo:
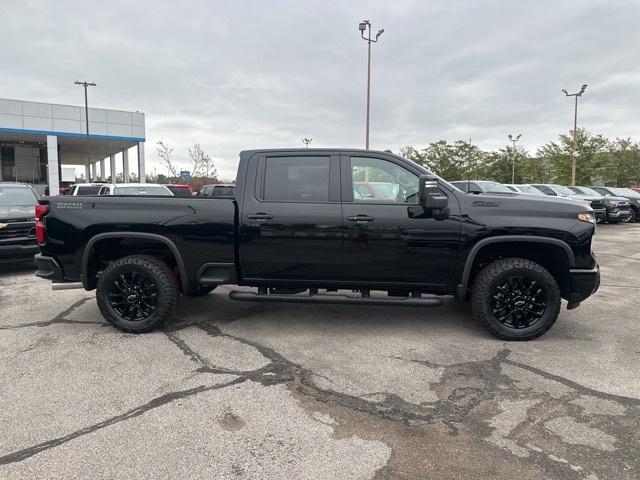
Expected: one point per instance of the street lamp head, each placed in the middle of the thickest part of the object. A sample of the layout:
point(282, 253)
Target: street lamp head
point(518, 137)
point(582, 90)
point(362, 26)
point(380, 32)
point(565, 92)
point(510, 137)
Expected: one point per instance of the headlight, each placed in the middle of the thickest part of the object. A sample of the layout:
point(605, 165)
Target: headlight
point(587, 217)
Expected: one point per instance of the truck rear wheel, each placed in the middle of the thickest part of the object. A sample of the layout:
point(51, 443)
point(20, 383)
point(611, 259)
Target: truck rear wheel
point(137, 293)
point(515, 299)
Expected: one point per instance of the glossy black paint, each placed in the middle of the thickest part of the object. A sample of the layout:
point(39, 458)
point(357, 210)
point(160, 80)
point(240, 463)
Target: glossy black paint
point(329, 244)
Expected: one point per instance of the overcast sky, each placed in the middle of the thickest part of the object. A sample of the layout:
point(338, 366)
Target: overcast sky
point(235, 75)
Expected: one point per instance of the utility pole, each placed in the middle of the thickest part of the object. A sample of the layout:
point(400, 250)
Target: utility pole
point(307, 141)
point(575, 130)
point(86, 116)
point(513, 140)
point(365, 25)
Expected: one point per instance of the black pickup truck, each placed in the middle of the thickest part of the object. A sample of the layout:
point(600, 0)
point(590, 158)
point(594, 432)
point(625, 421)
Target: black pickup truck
point(301, 227)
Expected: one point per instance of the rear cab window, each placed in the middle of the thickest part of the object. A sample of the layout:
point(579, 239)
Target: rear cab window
point(296, 179)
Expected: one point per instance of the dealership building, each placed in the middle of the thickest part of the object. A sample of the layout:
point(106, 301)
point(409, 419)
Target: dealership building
point(38, 139)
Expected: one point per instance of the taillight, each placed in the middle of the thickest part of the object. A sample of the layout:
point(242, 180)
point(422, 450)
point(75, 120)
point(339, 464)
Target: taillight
point(41, 211)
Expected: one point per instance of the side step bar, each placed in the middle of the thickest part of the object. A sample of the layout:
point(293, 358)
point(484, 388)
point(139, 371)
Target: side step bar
point(66, 285)
point(329, 298)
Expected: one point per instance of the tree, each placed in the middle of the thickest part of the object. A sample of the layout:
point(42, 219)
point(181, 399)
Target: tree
point(622, 163)
point(450, 161)
point(165, 152)
point(590, 158)
point(202, 164)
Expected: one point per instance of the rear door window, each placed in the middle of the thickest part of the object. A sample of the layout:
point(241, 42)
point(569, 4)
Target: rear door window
point(296, 179)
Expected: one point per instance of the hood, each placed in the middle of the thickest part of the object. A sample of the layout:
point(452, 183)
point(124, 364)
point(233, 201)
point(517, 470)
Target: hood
point(616, 199)
point(581, 196)
point(524, 202)
point(17, 212)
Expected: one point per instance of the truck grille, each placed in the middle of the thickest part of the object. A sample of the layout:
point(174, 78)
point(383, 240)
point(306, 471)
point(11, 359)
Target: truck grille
point(597, 204)
point(17, 230)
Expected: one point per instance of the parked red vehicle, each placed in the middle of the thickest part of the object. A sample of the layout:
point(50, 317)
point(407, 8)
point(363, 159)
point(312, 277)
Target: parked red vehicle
point(180, 190)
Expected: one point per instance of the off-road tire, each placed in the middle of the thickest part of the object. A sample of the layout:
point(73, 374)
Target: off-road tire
point(157, 272)
point(199, 290)
point(485, 286)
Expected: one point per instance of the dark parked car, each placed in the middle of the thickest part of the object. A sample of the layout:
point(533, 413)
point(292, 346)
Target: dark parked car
point(618, 208)
point(296, 231)
point(180, 190)
point(17, 222)
point(627, 193)
point(217, 190)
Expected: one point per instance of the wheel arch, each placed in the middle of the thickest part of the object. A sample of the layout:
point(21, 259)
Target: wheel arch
point(517, 243)
point(167, 242)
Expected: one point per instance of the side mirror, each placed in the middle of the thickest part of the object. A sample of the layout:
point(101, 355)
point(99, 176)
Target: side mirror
point(431, 198)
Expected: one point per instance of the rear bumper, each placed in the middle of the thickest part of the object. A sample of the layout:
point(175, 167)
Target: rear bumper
point(584, 283)
point(48, 268)
point(18, 253)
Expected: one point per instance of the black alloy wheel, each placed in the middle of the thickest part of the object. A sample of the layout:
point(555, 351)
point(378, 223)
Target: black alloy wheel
point(515, 299)
point(137, 294)
point(518, 302)
point(133, 296)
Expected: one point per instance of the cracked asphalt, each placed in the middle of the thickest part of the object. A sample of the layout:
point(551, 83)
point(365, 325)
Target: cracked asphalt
point(233, 391)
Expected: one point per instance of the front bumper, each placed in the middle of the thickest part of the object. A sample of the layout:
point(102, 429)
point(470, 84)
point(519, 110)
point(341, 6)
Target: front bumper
point(584, 283)
point(18, 252)
point(618, 214)
point(600, 214)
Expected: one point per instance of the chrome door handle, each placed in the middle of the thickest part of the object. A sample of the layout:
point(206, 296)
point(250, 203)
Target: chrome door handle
point(361, 218)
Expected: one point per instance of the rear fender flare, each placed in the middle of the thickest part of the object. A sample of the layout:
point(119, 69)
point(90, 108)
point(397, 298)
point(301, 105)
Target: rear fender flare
point(146, 236)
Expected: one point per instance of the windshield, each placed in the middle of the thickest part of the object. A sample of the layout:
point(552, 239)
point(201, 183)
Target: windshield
point(90, 190)
point(590, 191)
point(17, 196)
point(563, 190)
point(495, 187)
point(529, 189)
point(143, 190)
point(625, 192)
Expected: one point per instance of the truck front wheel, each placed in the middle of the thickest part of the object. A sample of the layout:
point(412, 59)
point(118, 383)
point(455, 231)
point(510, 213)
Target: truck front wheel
point(137, 293)
point(515, 299)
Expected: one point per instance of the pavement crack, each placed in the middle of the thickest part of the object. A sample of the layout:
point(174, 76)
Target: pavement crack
point(28, 452)
point(629, 401)
point(59, 318)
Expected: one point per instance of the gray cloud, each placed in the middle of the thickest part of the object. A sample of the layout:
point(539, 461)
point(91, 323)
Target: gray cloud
point(238, 75)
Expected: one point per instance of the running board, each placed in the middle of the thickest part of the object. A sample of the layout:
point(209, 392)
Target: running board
point(329, 298)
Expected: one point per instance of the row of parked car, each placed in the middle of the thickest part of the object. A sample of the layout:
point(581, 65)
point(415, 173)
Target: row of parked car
point(18, 201)
point(155, 189)
point(609, 204)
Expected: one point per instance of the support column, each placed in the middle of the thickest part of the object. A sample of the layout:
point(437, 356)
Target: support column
point(52, 165)
point(93, 172)
point(87, 173)
point(141, 170)
point(103, 173)
point(112, 165)
point(125, 164)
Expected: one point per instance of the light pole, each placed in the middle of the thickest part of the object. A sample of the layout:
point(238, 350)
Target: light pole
point(575, 128)
point(513, 140)
point(306, 141)
point(86, 115)
point(366, 26)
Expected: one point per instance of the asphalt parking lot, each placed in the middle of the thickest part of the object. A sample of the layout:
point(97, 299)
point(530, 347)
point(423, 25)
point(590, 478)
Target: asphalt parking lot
point(232, 390)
